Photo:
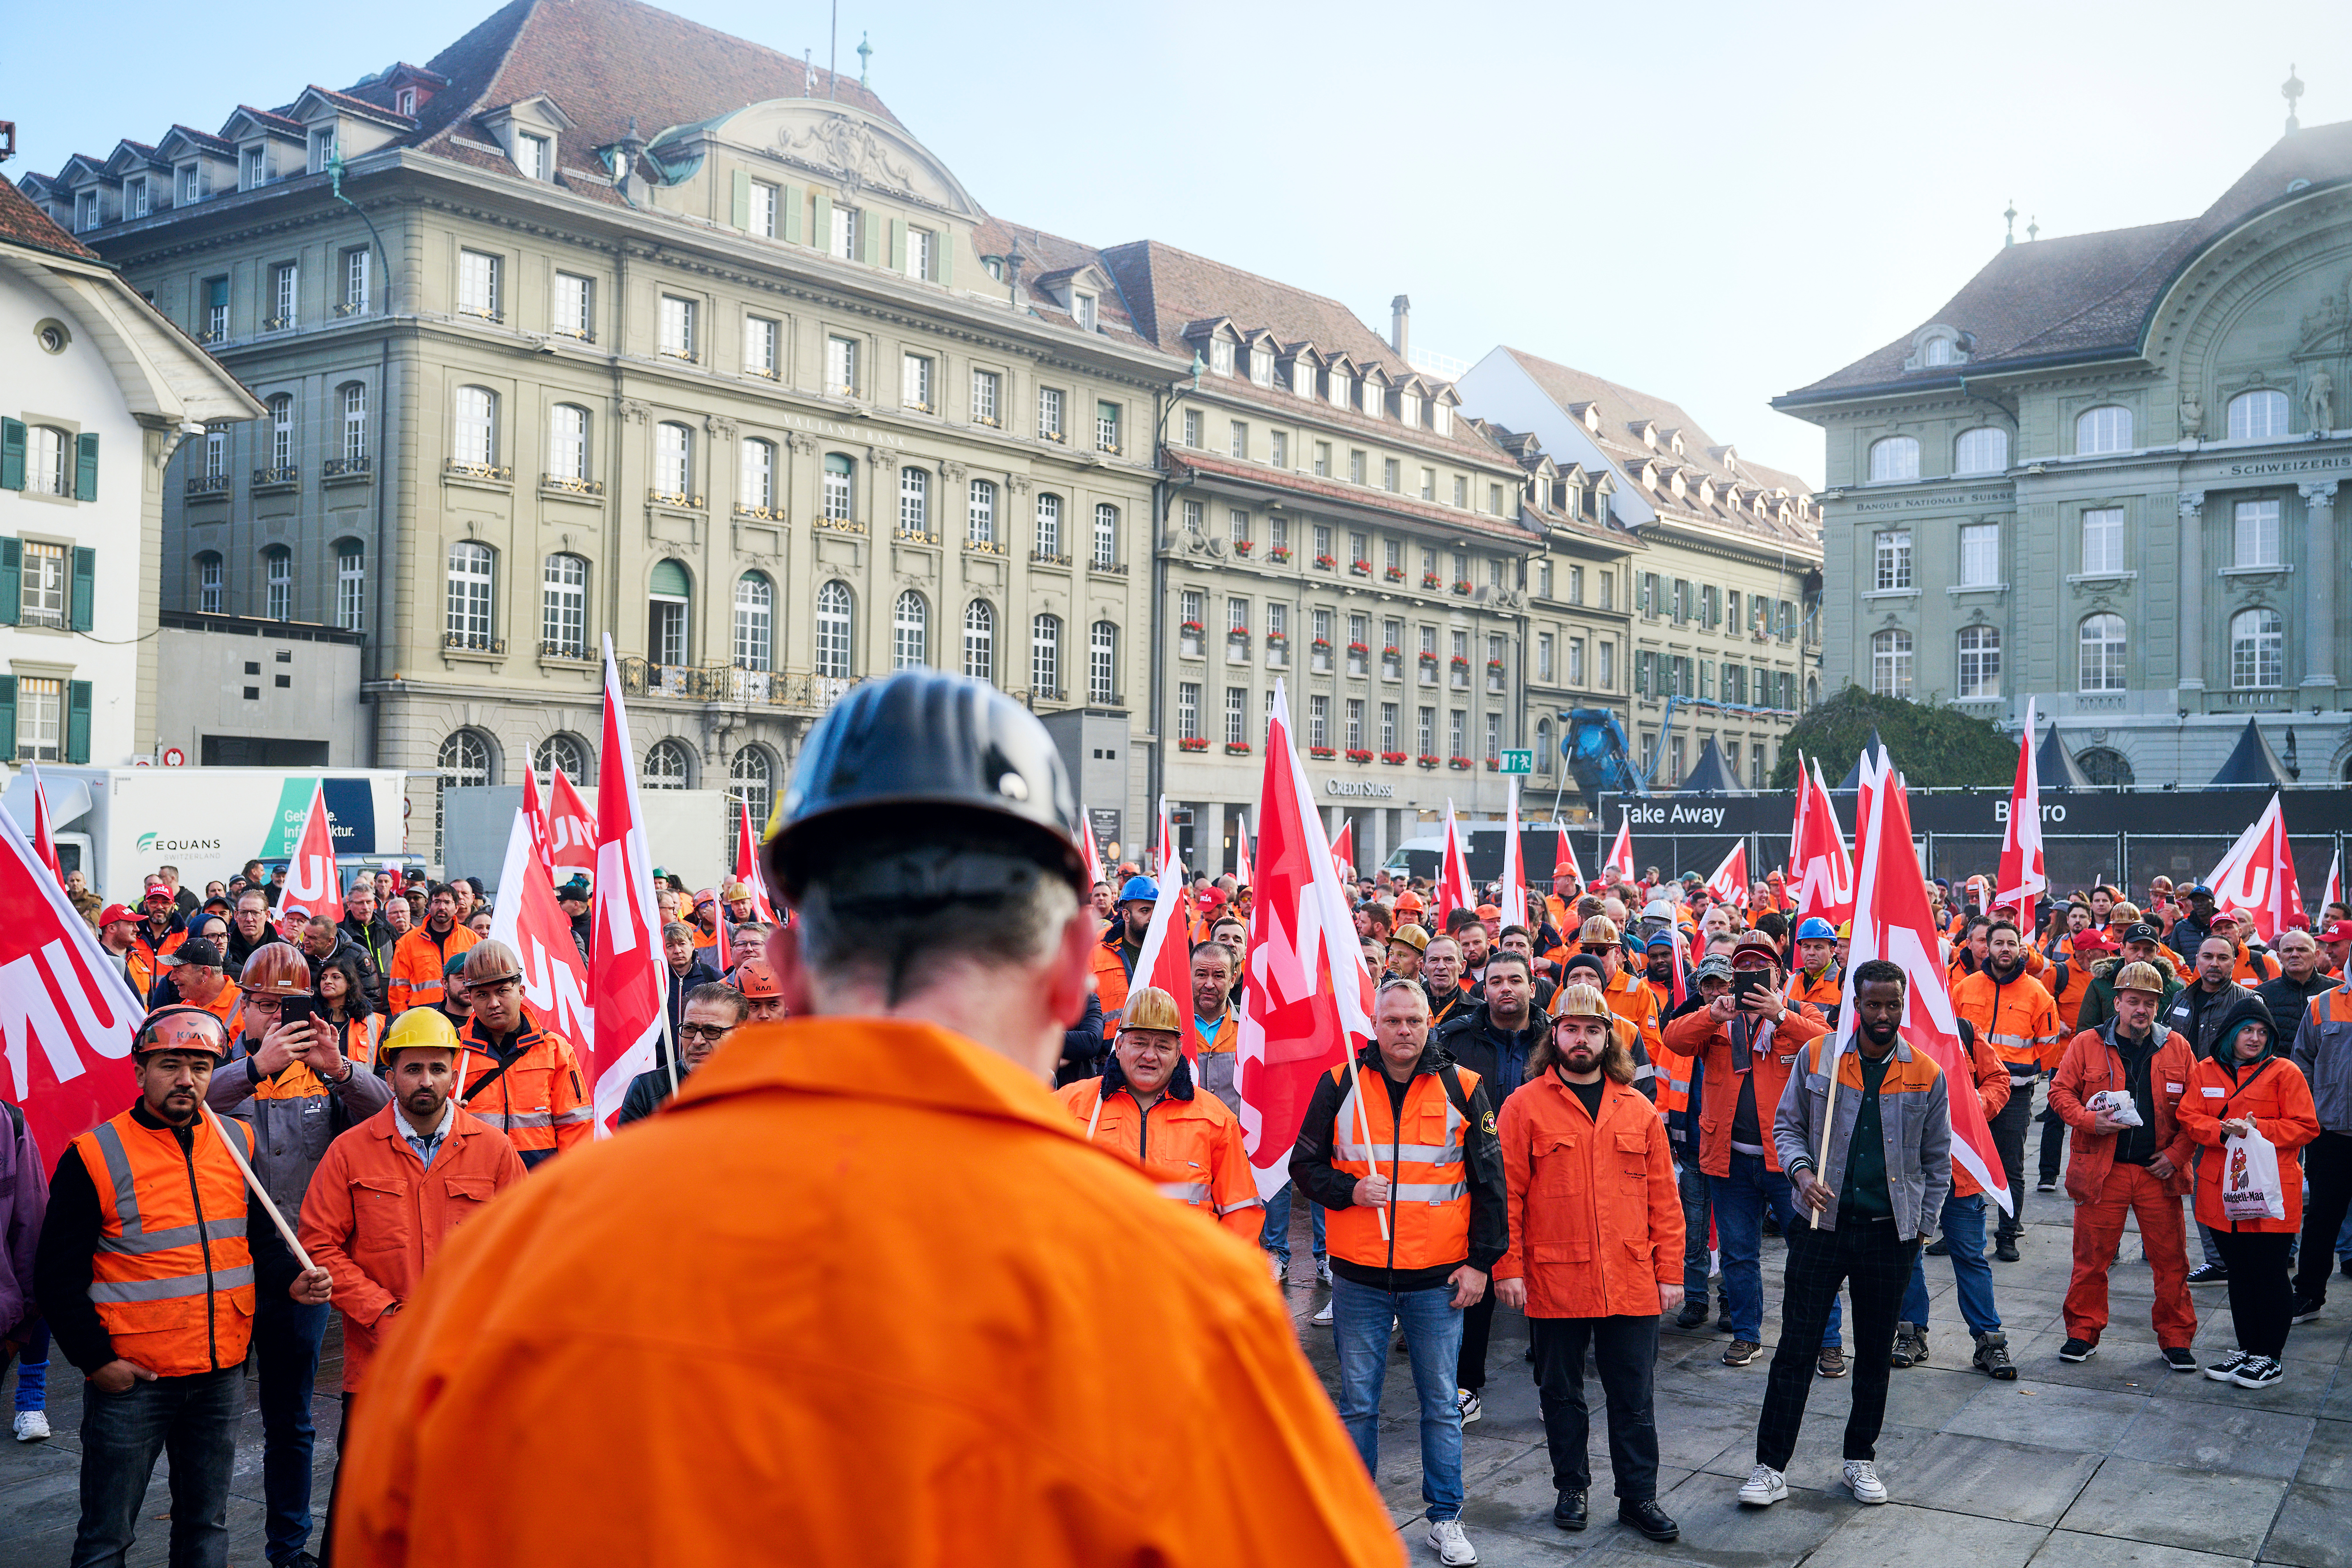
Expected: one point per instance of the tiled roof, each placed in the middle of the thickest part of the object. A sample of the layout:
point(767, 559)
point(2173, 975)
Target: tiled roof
point(22, 223)
point(270, 119)
point(1182, 458)
point(2091, 292)
point(1044, 256)
point(205, 140)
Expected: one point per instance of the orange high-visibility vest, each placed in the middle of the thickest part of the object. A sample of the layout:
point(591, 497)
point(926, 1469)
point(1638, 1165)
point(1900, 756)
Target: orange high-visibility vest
point(2018, 1020)
point(540, 1102)
point(416, 963)
point(1191, 1149)
point(172, 1279)
point(1421, 1154)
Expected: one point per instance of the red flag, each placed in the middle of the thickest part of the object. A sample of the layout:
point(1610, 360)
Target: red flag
point(1343, 852)
point(66, 1016)
point(1242, 876)
point(530, 920)
point(2256, 878)
point(1306, 997)
point(570, 829)
point(1454, 890)
point(1729, 883)
point(1893, 920)
point(1620, 853)
point(314, 885)
point(2331, 892)
point(1165, 959)
point(629, 991)
point(746, 871)
point(1824, 869)
point(45, 843)
point(2022, 878)
point(1515, 872)
point(1567, 876)
point(535, 813)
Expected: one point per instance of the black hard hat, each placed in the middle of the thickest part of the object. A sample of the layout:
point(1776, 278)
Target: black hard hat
point(923, 748)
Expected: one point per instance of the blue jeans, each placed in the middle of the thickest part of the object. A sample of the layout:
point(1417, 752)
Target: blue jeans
point(1690, 1181)
point(1432, 1332)
point(192, 1419)
point(1739, 1201)
point(1275, 1237)
point(286, 1338)
point(33, 1371)
point(1964, 1229)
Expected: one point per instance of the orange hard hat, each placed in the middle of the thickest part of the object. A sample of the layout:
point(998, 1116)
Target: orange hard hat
point(276, 969)
point(181, 1029)
point(754, 978)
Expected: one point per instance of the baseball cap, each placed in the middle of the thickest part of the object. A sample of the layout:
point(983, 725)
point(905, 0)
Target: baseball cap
point(2340, 930)
point(575, 888)
point(2142, 931)
point(111, 913)
point(154, 891)
point(2194, 890)
point(1489, 913)
point(196, 951)
point(2092, 940)
point(1715, 966)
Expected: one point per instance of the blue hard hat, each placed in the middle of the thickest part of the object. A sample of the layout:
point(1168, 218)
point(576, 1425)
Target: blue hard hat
point(1137, 887)
point(1816, 929)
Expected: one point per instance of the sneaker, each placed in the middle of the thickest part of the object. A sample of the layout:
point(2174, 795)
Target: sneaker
point(1861, 1480)
point(1322, 1313)
point(1466, 1400)
point(2209, 1274)
point(1919, 1344)
point(2306, 1307)
point(1740, 1352)
point(1323, 1272)
point(1901, 1355)
point(2004, 1248)
point(1452, 1546)
point(2078, 1350)
point(1939, 1248)
point(1277, 1267)
point(32, 1426)
point(1691, 1316)
point(1992, 1357)
point(1833, 1361)
point(2047, 1184)
point(2226, 1369)
point(2259, 1372)
point(1764, 1487)
point(2177, 1358)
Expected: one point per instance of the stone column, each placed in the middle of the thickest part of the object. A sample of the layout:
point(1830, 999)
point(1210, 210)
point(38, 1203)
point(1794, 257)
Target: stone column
point(2189, 642)
point(1379, 844)
point(1209, 839)
point(2319, 583)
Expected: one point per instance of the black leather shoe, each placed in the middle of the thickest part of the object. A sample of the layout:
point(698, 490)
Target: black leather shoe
point(1648, 1518)
point(1570, 1513)
point(2004, 1248)
point(1939, 1248)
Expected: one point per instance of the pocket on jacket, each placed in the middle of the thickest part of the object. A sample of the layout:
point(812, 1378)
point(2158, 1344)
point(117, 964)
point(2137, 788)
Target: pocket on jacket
point(472, 1192)
point(379, 1214)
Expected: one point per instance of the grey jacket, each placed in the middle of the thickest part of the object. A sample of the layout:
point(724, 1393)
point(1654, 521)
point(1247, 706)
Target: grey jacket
point(2323, 1049)
point(2175, 1016)
point(1914, 1119)
point(291, 1135)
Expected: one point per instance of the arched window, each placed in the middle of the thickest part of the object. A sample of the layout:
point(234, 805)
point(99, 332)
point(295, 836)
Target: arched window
point(750, 782)
point(755, 622)
point(464, 764)
point(759, 481)
point(980, 521)
point(833, 630)
point(1980, 661)
point(278, 579)
point(351, 584)
point(559, 753)
point(1983, 450)
point(48, 461)
point(1049, 525)
point(1543, 747)
point(666, 765)
point(471, 578)
point(2100, 662)
point(840, 479)
point(1890, 663)
point(567, 442)
point(674, 461)
point(910, 631)
point(670, 603)
point(1812, 690)
point(2104, 765)
point(915, 502)
point(2257, 649)
point(979, 640)
point(352, 396)
point(1893, 459)
point(281, 431)
point(1106, 535)
point(208, 583)
point(1102, 664)
point(1046, 655)
point(2107, 428)
point(564, 607)
point(2258, 415)
point(473, 437)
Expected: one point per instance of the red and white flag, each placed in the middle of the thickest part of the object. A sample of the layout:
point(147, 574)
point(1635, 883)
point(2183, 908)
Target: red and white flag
point(1242, 876)
point(1515, 873)
point(534, 812)
point(1343, 852)
point(1729, 883)
point(1893, 920)
point(2022, 880)
point(570, 829)
point(45, 842)
point(1454, 890)
point(1567, 876)
point(1824, 869)
point(748, 872)
point(1166, 957)
point(530, 920)
point(1620, 853)
point(629, 993)
point(1306, 996)
point(65, 1015)
point(2333, 893)
point(314, 886)
point(2256, 878)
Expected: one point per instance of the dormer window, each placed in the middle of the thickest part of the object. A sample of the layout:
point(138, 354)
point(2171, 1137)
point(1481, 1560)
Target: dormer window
point(1408, 407)
point(1221, 357)
point(1343, 389)
point(1082, 310)
point(1937, 346)
point(322, 149)
point(404, 102)
point(1376, 400)
point(1261, 367)
point(252, 167)
point(1440, 418)
point(1592, 418)
point(1302, 378)
point(191, 178)
point(85, 211)
point(534, 155)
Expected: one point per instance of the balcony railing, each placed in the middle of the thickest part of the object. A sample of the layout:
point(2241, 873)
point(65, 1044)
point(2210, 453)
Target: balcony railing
point(208, 484)
point(1047, 558)
point(473, 642)
point(678, 498)
point(838, 525)
point(345, 468)
point(572, 485)
point(725, 683)
point(269, 478)
point(558, 648)
point(495, 473)
point(1115, 568)
point(760, 513)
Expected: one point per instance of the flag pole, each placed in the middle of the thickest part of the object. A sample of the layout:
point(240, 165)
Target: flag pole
point(669, 1041)
point(1364, 1121)
point(1828, 1118)
point(258, 1191)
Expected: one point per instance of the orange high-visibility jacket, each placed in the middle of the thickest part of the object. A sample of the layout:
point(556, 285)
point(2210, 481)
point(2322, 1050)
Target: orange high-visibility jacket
point(1110, 980)
point(374, 1218)
point(1421, 1154)
point(416, 965)
point(2018, 1020)
point(1596, 1224)
point(172, 1279)
point(541, 1102)
point(1630, 998)
point(904, 1280)
point(2275, 1095)
point(1697, 1035)
point(1190, 1147)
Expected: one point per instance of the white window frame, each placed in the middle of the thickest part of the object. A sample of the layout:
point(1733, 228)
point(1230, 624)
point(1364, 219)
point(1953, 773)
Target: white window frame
point(1891, 562)
point(1894, 459)
point(2099, 657)
point(676, 332)
point(1980, 661)
point(350, 589)
point(573, 310)
point(563, 606)
point(2103, 541)
point(2260, 414)
point(477, 285)
point(761, 336)
point(2104, 429)
point(1979, 555)
point(2254, 528)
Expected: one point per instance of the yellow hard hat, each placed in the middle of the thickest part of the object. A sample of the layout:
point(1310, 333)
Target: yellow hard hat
point(1845, 929)
point(1149, 1007)
point(419, 1028)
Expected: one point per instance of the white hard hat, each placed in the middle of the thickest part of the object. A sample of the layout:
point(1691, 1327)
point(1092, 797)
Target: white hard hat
point(1658, 910)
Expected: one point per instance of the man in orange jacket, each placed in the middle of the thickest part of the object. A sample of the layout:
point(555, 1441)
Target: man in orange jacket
point(1596, 1252)
point(869, 1246)
point(515, 1073)
point(2011, 1013)
point(419, 958)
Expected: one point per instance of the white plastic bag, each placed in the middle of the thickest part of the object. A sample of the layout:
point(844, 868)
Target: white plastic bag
point(2117, 1103)
point(2250, 1179)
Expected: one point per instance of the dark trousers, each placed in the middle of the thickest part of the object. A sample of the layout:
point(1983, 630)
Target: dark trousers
point(2261, 1299)
point(2009, 1137)
point(2327, 1166)
point(2054, 1143)
point(192, 1419)
point(286, 1336)
point(1627, 1352)
point(1875, 1267)
point(1478, 1323)
point(326, 1554)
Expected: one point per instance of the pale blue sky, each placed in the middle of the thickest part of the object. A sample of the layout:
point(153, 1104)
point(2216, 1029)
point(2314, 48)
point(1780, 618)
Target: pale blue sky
point(1711, 202)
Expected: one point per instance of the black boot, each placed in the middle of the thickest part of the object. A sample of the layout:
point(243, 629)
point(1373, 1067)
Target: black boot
point(1570, 1511)
point(1651, 1520)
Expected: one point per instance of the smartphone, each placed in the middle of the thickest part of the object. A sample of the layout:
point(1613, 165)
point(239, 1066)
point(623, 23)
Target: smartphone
point(297, 1010)
point(1745, 982)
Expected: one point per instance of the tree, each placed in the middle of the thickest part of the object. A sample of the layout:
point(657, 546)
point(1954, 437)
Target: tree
point(1933, 746)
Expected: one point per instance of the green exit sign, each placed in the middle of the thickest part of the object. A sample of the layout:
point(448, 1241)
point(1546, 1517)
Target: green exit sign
point(1519, 762)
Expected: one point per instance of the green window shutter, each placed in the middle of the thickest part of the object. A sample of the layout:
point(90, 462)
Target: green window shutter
point(821, 234)
point(12, 583)
point(943, 254)
point(86, 467)
point(8, 715)
point(77, 721)
point(742, 211)
point(12, 453)
point(84, 587)
point(898, 245)
point(790, 196)
point(670, 578)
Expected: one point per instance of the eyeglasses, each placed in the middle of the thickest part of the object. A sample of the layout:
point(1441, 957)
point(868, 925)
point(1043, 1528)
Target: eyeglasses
point(261, 1004)
point(714, 1033)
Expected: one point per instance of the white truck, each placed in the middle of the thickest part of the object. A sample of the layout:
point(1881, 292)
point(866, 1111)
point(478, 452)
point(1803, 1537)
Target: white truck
point(116, 824)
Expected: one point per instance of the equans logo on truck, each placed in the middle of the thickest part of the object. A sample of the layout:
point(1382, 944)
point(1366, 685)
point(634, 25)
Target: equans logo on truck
point(156, 844)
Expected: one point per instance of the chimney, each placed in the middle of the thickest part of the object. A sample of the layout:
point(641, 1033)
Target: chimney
point(1401, 326)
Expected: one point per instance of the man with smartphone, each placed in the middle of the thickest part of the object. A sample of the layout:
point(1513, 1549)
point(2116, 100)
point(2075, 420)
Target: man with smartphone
point(287, 1077)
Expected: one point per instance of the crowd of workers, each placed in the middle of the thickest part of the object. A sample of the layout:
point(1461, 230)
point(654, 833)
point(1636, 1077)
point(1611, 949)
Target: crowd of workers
point(1592, 1111)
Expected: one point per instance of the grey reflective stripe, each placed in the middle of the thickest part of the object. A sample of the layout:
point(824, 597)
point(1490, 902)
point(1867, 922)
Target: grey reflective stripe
point(170, 1289)
point(118, 1169)
point(1429, 1154)
point(1414, 1193)
point(1446, 1153)
point(575, 1117)
point(178, 1235)
point(2010, 1039)
point(1185, 1192)
point(515, 1118)
point(1644, 1071)
point(1247, 1204)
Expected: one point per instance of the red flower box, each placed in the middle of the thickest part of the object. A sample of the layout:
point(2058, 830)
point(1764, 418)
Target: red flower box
point(1192, 743)
point(1237, 748)
point(1280, 553)
point(1494, 764)
point(1326, 753)
point(1357, 755)
point(1430, 579)
point(1463, 586)
point(1428, 762)
point(1190, 628)
point(1395, 573)
point(1461, 764)
point(1395, 759)
point(1358, 647)
point(1243, 546)
point(1360, 568)
point(1326, 561)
